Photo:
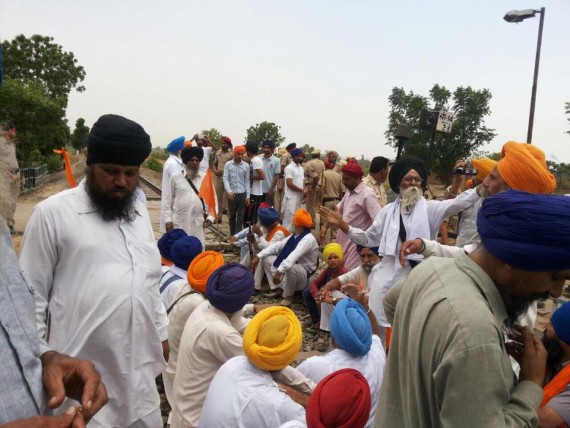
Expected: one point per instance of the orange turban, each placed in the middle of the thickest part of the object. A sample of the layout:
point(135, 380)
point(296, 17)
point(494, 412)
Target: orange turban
point(239, 149)
point(202, 267)
point(523, 167)
point(188, 143)
point(302, 218)
point(484, 167)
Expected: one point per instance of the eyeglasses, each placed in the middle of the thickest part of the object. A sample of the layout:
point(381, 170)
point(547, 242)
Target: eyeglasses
point(410, 179)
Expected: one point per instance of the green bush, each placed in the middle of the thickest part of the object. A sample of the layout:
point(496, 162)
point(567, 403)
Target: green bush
point(54, 163)
point(160, 154)
point(154, 164)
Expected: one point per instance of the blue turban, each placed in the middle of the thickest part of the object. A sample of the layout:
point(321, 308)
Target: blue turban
point(527, 231)
point(351, 328)
point(184, 250)
point(267, 216)
point(561, 322)
point(373, 249)
point(167, 240)
point(268, 143)
point(230, 287)
point(297, 152)
point(175, 145)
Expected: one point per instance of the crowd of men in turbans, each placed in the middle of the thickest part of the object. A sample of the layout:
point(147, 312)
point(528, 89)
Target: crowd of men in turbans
point(422, 334)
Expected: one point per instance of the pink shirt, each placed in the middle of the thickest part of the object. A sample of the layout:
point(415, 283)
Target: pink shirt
point(358, 208)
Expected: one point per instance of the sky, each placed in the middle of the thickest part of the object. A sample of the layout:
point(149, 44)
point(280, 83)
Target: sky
point(322, 69)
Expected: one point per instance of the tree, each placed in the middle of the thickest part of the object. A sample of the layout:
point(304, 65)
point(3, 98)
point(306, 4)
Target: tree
point(265, 131)
point(567, 111)
point(38, 77)
point(307, 149)
point(467, 135)
point(37, 59)
point(80, 134)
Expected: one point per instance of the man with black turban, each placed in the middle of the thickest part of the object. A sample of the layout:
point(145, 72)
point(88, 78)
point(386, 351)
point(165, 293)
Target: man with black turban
point(448, 364)
point(184, 208)
point(90, 255)
point(410, 216)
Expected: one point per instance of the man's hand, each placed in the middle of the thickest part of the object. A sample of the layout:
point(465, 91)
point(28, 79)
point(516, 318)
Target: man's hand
point(297, 396)
point(247, 201)
point(168, 226)
point(533, 358)
point(207, 223)
point(256, 229)
point(217, 172)
point(232, 239)
point(355, 293)
point(165, 350)
point(72, 417)
point(410, 247)
point(270, 192)
point(277, 277)
point(333, 217)
point(458, 164)
point(78, 379)
point(231, 196)
point(254, 263)
point(259, 308)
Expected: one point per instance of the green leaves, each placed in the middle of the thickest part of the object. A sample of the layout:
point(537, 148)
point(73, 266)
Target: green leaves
point(265, 131)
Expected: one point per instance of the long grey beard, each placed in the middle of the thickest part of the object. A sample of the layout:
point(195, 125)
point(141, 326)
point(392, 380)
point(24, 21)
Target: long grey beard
point(409, 198)
point(193, 173)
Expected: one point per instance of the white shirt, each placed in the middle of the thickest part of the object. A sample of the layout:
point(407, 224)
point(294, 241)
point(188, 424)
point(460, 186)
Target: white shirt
point(386, 273)
point(168, 287)
point(205, 162)
point(371, 366)
point(306, 253)
point(98, 280)
point(242, 395)
point(172, 166)
point(256, 185)
point(208, 341)
point(297, 174)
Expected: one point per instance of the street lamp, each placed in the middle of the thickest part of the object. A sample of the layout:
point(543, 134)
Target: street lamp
point(517, 16)
point(402, 134)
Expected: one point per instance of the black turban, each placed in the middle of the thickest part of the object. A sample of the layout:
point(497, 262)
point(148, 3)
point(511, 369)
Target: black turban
point(252, 147)
point(188, 153)
point(402, 167)
point(269, 143)
point(117, 140)
point(291, 146)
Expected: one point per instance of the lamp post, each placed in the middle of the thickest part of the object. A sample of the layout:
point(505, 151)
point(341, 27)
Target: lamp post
point(402, 134)
point(519, 16)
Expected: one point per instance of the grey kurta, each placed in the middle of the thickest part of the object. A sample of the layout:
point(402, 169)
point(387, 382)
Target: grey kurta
point(447, 365)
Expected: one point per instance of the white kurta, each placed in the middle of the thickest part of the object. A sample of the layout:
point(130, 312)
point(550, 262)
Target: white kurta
point(242, 395)
point(97, 297)
point(172, 166)
point(371, 366)
point(292, 199)
point(184, 208)
point(386, 273)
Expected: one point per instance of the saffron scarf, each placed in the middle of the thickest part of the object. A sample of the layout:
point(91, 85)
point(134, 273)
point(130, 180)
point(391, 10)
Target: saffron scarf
point(556, 385)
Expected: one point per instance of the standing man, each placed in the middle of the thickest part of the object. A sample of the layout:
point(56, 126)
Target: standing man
point(332, 194)
point(315, 189)
point(284, 160)
point(358, 208)
point(256, 176)
point(9, 167)
point(90, 254)
point(172, 166)
point(237, 184)
point(224, 155)
point(295, 191)
point(271, 168)
point(448, 364)
point(377, 177)
point(204, 142)
point(185, 209)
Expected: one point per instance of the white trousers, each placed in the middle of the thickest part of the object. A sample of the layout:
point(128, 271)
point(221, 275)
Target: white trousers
point(294, 279)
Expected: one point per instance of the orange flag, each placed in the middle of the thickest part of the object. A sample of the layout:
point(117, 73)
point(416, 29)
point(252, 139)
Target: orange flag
point(208, 194)
point(67, 163)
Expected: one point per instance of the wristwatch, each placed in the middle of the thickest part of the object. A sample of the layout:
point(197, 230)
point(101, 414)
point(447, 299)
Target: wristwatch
point(335, 300)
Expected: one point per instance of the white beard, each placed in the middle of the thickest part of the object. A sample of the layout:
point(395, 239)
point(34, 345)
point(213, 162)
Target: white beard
point(409, 198)
point(193, 173)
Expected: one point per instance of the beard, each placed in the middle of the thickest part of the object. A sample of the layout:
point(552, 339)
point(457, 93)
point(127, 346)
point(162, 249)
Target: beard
point(518, 306)
point(366, 268)
point(409, 198)
point(110, 208)
point(484, 193)
point(193, 172)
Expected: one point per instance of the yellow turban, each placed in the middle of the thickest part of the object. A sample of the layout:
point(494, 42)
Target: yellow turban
point(273, 338)
point(484, 167)
point(202, 267)
point(302, 218)
point(523, 167)
point(333, 248)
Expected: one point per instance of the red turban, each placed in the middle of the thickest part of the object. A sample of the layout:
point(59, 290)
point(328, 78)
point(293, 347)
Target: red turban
point(239, 149)
point(353, 170)
point(523, 167)
point(302, 218)
point(340, 400)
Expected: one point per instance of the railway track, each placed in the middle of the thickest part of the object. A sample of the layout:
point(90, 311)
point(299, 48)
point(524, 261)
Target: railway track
point(152, 191)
